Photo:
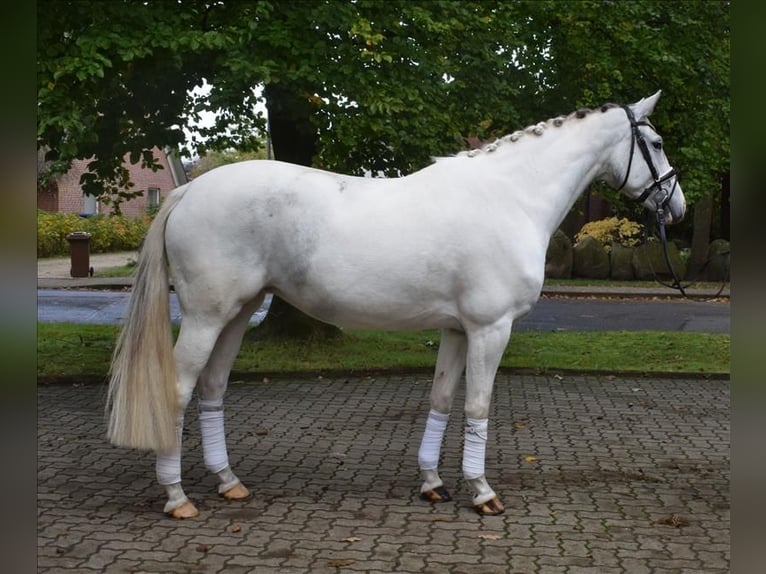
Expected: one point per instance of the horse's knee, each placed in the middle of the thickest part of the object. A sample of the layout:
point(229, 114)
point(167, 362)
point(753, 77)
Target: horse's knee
point(441, 403)
point(476, 409)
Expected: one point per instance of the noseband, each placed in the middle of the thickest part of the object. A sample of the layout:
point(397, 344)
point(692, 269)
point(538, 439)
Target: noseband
point(660, 196)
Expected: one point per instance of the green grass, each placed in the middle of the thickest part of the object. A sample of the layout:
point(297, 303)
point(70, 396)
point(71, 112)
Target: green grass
point(121, 271)
point(66, 352)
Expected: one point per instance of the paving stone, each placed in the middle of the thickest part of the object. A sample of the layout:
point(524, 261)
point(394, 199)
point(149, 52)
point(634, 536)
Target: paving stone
point(624, 481)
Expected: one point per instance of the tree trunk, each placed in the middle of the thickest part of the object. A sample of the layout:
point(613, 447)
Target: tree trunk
point(294, 139)
point(703, 217)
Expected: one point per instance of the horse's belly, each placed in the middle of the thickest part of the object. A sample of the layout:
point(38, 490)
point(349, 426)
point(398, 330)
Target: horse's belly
point(373, 312)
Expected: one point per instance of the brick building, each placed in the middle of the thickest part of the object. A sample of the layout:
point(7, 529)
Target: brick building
point(66, 195)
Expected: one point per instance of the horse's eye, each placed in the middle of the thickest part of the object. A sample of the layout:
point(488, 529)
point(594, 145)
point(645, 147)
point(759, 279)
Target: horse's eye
point(657, 145)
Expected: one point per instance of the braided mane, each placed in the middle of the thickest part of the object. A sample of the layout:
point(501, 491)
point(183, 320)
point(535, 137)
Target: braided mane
point(537, 129)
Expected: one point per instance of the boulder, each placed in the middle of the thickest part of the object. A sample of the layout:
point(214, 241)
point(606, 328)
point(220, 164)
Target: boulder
point(590, 259)
point(558, 258)
point(718, 260)
point(649, 261)
point(621, 261)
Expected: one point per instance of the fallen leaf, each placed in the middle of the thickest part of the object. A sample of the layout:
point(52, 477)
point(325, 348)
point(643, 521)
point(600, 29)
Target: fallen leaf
point(674, 520)
point(529, 458)
point(519, 425)
point(202, 548)
point(351, 539)
point(236, 528)
point(489, 537)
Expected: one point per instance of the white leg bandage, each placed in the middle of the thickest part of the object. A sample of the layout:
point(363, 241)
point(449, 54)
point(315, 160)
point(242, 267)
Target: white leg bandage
point(475, 448)
point(213, 435)
point(430, 447)
point(169, 463)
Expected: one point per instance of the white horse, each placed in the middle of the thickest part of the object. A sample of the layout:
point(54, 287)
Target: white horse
point(458, 246)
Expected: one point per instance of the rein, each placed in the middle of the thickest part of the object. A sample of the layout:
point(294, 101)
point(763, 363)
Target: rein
point(660, 196)
point(676, 284)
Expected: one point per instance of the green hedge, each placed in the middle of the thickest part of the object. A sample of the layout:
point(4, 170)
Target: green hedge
point(108, 232)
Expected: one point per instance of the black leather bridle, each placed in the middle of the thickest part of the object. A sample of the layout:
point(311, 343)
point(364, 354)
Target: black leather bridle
point(660, 195)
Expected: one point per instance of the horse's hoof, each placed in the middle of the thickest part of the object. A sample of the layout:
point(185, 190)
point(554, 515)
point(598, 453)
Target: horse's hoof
point(438, 494)
point(186, 510)
point(237, 492)
point(490, 508)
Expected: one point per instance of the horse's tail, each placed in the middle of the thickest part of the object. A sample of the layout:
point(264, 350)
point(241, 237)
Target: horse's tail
point(142, 405)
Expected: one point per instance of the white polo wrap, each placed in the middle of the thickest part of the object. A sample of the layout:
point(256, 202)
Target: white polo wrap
point(475, 447)
point(168, 465)
point(213, 435)
point(428, 456)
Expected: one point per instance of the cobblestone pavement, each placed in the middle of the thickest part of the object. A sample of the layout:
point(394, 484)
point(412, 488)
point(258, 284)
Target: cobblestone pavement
point(598, 474)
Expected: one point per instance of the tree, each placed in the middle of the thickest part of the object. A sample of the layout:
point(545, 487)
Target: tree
point(213, 159)
point(370, 86)
point(383, 85)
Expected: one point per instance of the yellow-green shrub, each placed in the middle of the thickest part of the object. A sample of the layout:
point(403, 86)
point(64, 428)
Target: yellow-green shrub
point(108, 232)
point(612, 230)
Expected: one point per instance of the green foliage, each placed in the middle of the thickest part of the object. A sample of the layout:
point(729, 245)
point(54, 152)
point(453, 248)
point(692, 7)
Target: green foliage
point(213, 159)
point(108, 232)
point(612, 230)
point(617, 51)
point(390, 83)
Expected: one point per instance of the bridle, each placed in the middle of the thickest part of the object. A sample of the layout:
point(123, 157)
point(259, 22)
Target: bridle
point(660, 195)
point(656, 191)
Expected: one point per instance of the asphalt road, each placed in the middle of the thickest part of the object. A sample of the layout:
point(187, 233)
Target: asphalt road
point(550, 314)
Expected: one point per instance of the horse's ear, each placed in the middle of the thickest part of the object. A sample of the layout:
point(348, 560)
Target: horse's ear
point(644, 107)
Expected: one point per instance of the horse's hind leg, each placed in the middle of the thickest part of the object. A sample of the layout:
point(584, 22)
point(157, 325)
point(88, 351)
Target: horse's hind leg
point(195, 343)
point(450, 364)
point(211, 388)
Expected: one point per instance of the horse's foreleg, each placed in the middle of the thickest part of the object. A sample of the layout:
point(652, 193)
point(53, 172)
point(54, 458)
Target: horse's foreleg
point(450, 363)
point(211, 387)
point(485, 349)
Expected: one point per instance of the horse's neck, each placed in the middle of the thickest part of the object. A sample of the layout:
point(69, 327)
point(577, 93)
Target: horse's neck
point(547, 173)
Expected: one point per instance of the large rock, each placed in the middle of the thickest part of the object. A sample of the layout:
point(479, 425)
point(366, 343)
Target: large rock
point(590, 259)
point(649, 261)
point(718, 260)
point(621, 260)
point(558, 258)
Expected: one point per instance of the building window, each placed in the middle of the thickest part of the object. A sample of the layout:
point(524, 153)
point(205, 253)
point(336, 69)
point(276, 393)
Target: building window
point(152, 199)
point(89, 205)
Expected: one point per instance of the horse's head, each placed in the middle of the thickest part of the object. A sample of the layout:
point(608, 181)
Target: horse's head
point(641, 170)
